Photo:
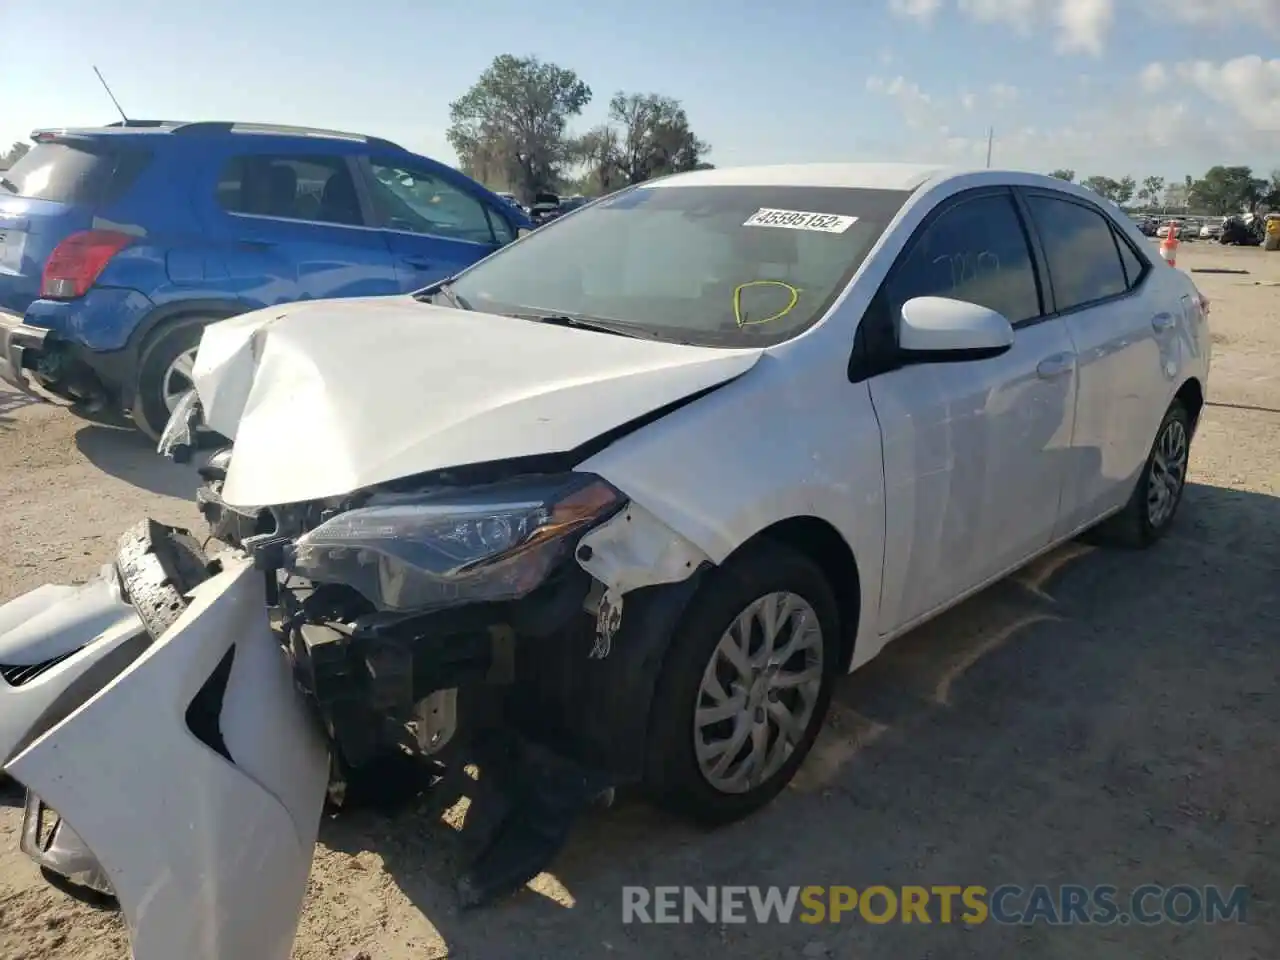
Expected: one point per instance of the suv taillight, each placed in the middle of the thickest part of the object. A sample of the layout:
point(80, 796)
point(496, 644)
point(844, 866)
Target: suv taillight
point(76, 263)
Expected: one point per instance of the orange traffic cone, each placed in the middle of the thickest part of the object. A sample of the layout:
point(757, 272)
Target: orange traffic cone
point(1169, 245)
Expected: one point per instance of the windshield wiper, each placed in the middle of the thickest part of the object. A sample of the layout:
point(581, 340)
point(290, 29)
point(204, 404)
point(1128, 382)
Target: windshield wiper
point(580, 321)
point(8, 184)
point(446, 287)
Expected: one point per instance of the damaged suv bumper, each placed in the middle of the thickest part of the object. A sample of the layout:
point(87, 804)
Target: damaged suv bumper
point(205, 839)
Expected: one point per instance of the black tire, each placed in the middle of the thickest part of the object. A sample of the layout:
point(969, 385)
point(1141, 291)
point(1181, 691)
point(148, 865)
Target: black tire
point(1133, 527)
point(175, 338)
point(673, 779)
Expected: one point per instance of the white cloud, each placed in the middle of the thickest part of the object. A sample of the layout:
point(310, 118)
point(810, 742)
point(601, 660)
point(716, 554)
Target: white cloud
point(1133, 131)
point(1002, 94)
point(968, 101)
point(1250, 86)
point(922, 10)
point(1235, 13)
point(1084, 25)
point(1154, 77)
point(917, 107)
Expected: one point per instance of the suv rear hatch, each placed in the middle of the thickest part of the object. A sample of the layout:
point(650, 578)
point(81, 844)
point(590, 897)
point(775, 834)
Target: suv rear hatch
point(52, 192)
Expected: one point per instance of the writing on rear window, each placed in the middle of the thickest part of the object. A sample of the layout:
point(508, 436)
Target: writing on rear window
point(800, 220)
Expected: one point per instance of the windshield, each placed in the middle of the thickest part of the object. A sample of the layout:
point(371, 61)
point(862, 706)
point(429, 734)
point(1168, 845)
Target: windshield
point(714, 265)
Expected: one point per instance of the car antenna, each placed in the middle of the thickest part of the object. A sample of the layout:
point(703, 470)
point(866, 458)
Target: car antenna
point(103, 81)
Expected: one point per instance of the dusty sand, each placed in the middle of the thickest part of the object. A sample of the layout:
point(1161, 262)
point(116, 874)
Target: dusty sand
point(1102, 717)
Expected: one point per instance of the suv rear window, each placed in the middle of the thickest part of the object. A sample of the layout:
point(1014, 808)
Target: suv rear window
point(80, 173)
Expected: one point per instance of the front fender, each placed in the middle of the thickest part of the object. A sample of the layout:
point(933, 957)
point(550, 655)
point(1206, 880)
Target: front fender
point(207, 846)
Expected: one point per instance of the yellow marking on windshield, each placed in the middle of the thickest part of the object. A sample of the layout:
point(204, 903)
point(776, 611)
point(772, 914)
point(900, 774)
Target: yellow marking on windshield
point(741, 318)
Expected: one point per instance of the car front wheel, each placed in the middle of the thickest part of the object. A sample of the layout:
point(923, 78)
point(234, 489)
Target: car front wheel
point(745, 685)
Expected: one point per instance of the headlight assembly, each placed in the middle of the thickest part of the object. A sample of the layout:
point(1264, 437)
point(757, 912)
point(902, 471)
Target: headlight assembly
point(420, 552)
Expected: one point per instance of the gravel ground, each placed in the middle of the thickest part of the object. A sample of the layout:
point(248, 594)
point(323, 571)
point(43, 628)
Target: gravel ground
point(1102, 717)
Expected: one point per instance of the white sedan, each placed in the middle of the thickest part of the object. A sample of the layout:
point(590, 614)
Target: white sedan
point(657, 475)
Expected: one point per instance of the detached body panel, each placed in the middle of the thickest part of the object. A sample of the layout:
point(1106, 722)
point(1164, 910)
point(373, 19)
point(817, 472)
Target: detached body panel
point(209, 856)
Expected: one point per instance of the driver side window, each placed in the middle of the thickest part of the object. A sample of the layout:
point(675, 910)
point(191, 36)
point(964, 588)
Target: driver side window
point(975, 251)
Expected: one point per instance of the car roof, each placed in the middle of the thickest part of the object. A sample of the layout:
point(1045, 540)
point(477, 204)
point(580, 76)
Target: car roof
point(868, 176)
point(130, 128)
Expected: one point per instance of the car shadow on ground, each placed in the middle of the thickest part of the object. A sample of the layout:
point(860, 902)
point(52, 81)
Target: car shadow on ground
point(1098, 718)
point(129, 455)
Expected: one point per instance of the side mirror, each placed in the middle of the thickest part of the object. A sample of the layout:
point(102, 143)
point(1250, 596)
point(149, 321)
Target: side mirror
point(939, 329)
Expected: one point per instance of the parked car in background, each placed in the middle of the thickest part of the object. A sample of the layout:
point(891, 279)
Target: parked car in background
point(119, 244)
point(545, 208)
point(1212, 229)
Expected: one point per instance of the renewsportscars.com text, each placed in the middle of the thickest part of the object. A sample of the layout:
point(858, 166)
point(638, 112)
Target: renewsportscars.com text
point(1068, 904)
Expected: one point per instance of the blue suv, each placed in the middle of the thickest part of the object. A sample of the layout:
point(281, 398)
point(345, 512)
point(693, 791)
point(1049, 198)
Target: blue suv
point(118, 244)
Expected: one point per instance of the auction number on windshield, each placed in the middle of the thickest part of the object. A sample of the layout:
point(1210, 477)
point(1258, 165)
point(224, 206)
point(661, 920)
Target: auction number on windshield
point(800, 220)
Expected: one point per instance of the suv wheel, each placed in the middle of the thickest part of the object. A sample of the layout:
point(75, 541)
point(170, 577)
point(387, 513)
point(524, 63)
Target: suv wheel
point(745, 686)
point(164, 374)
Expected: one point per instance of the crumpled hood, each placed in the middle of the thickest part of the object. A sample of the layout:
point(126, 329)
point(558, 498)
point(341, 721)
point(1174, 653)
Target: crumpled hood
point(327, 397)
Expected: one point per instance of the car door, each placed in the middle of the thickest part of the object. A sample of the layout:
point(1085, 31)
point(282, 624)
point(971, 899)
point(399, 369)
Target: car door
point(293, 228)
point(973, 450)
point(1123, 336)
point(433, 225)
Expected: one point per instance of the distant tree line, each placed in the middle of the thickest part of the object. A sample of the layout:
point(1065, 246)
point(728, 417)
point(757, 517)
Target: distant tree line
point(1221, 191)
point(512, 130)
point(14, 154)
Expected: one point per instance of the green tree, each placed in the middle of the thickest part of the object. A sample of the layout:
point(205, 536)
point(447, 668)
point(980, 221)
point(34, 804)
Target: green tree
point(514, 120)
point(1227, 190)
point(16, 153)
point(1064, 174)
point(1102, 186)
point(1152, 189)
point(1272, 199)
point(1124, 190)
point(648, 135)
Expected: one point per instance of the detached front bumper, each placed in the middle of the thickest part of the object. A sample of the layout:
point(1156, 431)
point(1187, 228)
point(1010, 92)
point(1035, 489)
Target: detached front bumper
point(188, 772)
point(20, 347)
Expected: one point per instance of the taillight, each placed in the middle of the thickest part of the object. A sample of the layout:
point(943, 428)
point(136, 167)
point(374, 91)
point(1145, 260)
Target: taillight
point(76, 263)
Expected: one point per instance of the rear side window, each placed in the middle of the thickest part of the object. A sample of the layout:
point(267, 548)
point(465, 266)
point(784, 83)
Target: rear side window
point(1135, 267)
point(1081, 249)
point(975, 251)
point(316, 188)
point(92, 173)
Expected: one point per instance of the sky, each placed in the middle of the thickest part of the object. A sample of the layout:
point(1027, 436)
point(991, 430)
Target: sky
point(1112, 87)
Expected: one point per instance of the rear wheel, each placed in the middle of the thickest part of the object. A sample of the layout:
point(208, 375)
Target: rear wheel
point(164, 374)
point(745, 686)
point(1158, 494)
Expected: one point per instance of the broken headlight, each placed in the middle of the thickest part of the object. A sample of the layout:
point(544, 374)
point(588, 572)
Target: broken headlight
point(416, 552)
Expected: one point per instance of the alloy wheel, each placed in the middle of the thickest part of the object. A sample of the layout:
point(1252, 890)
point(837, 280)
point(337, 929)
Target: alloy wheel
point(1168, 473)
point(758, 692)
point(177, 378)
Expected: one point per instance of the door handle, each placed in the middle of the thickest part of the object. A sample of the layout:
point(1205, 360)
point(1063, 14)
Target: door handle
point(417, 263)
point(1056, 366)
point(1162, 322)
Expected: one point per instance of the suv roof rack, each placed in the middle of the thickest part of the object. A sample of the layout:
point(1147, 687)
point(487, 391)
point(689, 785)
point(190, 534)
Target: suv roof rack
point(225, 126)
point(146, 123)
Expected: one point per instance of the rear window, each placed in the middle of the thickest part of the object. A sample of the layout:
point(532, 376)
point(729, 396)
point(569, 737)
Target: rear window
point(89, 173)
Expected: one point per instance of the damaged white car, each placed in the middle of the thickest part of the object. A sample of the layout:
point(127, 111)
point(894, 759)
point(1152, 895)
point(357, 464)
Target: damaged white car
point(617, 505)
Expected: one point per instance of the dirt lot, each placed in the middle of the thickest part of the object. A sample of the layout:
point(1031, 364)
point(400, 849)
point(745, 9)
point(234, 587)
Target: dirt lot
point(1101, 718)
